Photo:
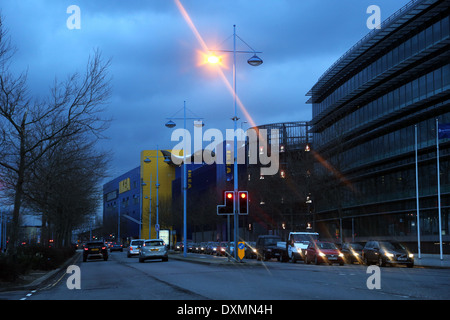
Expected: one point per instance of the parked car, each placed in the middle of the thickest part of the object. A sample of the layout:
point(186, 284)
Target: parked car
point(327, 252)
point(352, 252)
point(134, 247)
point(386, 253)
point(116, 246)
point(153, 249)
point(95, 249)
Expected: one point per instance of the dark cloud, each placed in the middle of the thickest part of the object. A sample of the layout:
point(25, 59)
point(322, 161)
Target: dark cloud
point(155, 57)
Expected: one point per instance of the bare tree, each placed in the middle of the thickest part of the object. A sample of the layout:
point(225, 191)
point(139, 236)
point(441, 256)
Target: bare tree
point(29, 128)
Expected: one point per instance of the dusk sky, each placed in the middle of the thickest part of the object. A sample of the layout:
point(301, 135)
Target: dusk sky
point(157, 61)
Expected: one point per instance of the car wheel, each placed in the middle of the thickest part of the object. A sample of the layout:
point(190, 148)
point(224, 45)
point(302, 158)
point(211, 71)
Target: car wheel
point(141, 260)
point(165, 259)
point(381, 263)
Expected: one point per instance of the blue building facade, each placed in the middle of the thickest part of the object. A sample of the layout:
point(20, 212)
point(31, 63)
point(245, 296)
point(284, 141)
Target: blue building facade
point(366, 107)
point(121, 202)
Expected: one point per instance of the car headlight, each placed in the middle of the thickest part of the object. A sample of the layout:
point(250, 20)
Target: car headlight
point(321, 254)
point(389, 255)
point(299, 250)
point(411, 255)
point(341, 255)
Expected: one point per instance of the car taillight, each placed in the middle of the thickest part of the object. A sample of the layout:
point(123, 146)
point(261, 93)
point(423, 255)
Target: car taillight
point(103, 248)
point(86, 249)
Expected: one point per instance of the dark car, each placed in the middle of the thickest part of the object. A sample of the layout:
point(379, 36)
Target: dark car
point(97, 249)
point(267, 248)
point(352, 252)
point(327, 252)
point(386, 253)
point(250, 250)
point(116, 246)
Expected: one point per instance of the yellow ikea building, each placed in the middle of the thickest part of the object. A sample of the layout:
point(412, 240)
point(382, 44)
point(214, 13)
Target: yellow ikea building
point(157, 174)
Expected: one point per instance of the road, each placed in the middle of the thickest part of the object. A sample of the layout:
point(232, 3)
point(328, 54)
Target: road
point(122, 278)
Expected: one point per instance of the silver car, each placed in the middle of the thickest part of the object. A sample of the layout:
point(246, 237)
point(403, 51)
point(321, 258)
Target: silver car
point(153, 249)
point(134, 247)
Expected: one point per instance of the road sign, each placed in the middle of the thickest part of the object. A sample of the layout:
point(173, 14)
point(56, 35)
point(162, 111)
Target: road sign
point(241, 250)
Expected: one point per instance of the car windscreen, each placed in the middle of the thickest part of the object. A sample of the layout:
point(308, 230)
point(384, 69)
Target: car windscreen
point(356, 246)
point(137, 243)
point(154, 243)
point(392, 246)
point(93, 244)
point(304, 237)
point(326, 245)
point(271, 241)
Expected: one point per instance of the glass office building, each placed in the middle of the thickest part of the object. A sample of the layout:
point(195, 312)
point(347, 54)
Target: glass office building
point(366, 107)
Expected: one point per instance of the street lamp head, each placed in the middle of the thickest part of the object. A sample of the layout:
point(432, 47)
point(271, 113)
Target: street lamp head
point(213, 59)
point(255, 61)
point(170, 124)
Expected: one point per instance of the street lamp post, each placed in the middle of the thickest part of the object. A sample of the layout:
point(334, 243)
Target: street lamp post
point(253, 61)
point(170, 124)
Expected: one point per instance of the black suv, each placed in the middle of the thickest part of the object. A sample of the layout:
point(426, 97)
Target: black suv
point(266, 248)
point(97, 249)
point(386, 253)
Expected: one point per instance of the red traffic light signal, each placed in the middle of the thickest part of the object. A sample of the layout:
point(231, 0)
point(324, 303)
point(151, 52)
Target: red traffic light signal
point(227, 207)
point(243, 202)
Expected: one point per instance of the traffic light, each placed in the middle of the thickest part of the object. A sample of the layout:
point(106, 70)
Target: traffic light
point(227, 207)
point(243, 202)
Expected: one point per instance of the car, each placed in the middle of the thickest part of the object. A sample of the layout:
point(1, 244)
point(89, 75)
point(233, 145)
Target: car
point(153, 249)
point(116, 246)
point(211, 248)
point(95, 249)
point(222, 249)
point(352, 252)
point(133, 248)
point(203, 247)
point(321, 251)
point(387, 253)
point(190, 246)
point(178, 246)
point(250, 250)
point(267, 247)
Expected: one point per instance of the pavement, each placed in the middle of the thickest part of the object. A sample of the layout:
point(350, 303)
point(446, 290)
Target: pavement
point(39, 278)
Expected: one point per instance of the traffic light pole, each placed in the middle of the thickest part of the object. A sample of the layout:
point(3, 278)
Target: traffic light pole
point(236, 184)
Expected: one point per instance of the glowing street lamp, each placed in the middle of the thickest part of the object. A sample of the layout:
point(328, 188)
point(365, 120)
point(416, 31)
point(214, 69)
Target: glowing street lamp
point(213, 59)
